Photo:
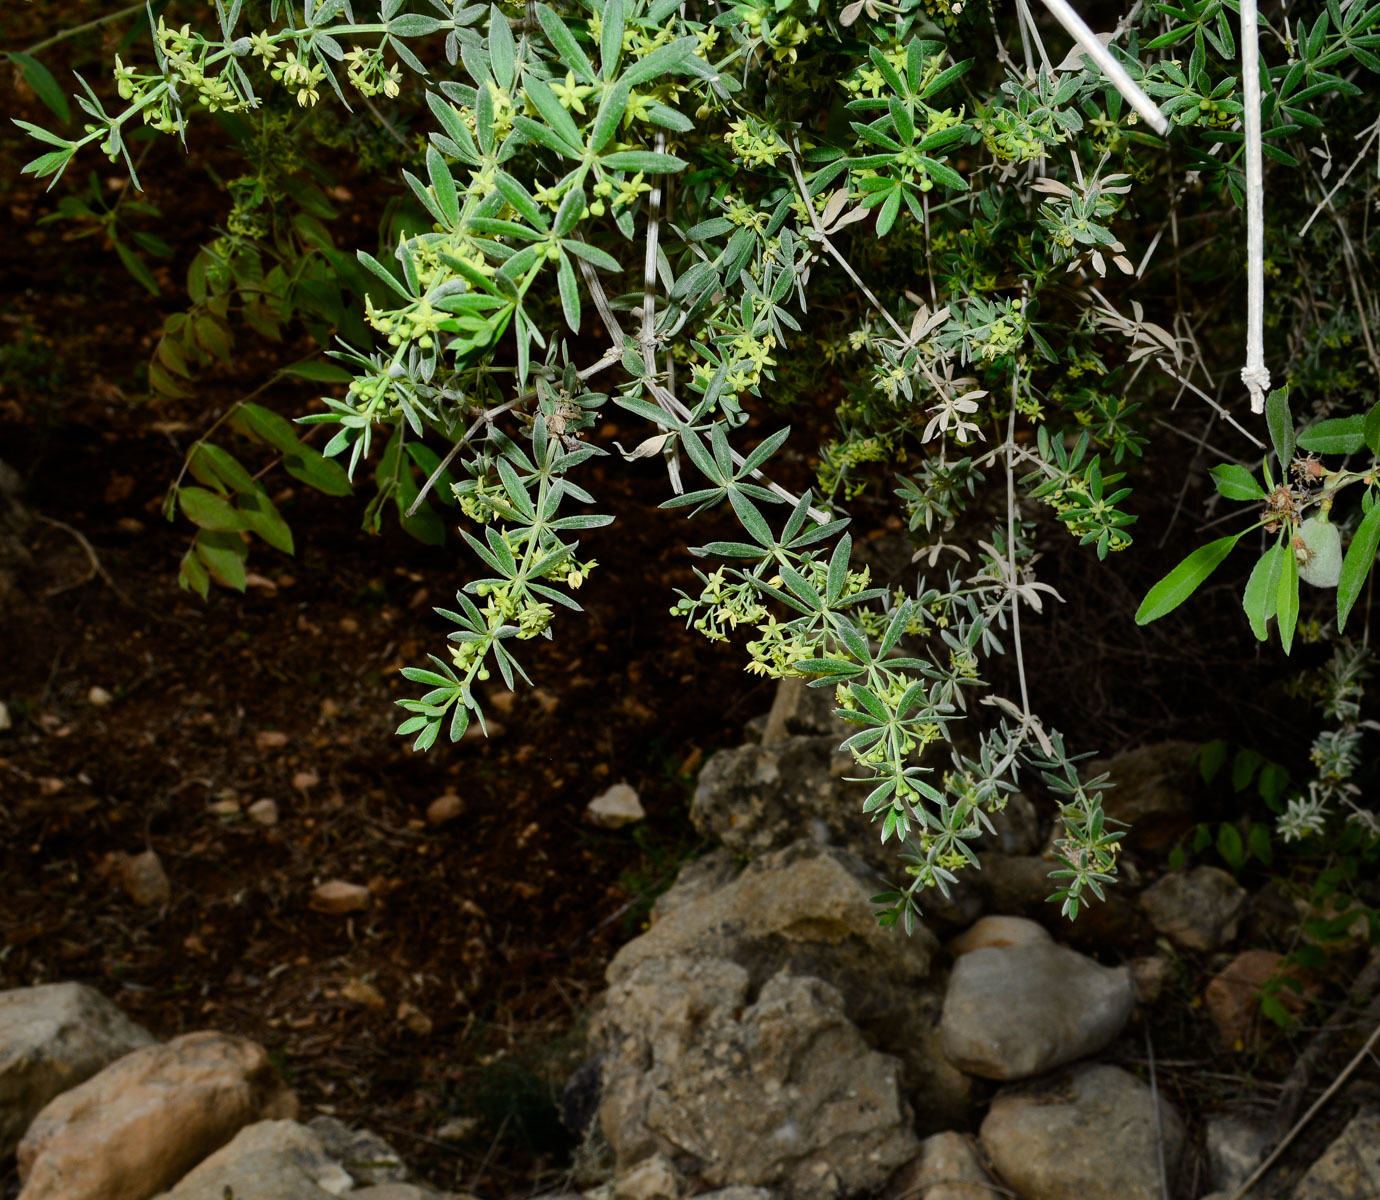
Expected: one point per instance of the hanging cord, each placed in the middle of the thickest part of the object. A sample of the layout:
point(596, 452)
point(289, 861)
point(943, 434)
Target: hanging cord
point(1255, 375)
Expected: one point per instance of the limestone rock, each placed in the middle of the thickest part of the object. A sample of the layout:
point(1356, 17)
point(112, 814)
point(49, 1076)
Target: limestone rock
point(1234, 1147)
point(753, 799)
point(1199, 909)
point(1090, 1132)
point(782, 1092)
point(53, 1037)
point(141, 1123)
point(616, 807)
point(697, 879)
point(366, 1156)
point(1350, 1167)
point(807, 910)
point(1017, 828)
point(799, 710)
point(1016, 1011)
point(270, 1160)
point(264, 812)
point(947, 1168)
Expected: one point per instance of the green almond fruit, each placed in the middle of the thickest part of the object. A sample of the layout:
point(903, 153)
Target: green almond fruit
point(1324, 542)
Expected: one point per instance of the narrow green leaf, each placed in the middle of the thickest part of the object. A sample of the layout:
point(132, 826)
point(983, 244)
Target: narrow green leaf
point(1281, 423)
point(502, 52)
point(314, 370)
point(642, 160)
point(559, 35)
point(1372, 430)
point(611, 38)
point(1259, 598)
point(1183, 580)
point(1360, 557)
point(1287, 597)
point(45, 87)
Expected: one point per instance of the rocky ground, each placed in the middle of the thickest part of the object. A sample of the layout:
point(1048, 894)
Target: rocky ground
point(763, 1039)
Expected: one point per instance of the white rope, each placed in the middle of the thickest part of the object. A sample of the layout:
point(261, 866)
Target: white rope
point(1254, 374)
point(1116, 75)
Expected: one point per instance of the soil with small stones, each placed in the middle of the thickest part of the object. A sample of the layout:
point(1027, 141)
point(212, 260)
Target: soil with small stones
point(448, 1014)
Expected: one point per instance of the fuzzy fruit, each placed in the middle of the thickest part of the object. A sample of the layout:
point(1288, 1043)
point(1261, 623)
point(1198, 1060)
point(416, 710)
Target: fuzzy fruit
point(1323, 544)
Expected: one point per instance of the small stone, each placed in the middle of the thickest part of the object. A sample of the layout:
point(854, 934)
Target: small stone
point(369, 1159)
point(1199, 909)
point(227, 807)
point(144, 880)
point(415, 1019)
point(1150, 974)
point(445, 808)
point(349, 625)
point(264, 812)
point(263, 583)
point(1233, 996)
point(304, 781)
point(279, 1159)
point(459, 1129)
point(98, 697)
point(618, 806)
point(270, 739)
point(337, 897)
point(1234, 1147)
point(947, 1168)
point(655, 1178)
point(364, 994)
point(6, 721)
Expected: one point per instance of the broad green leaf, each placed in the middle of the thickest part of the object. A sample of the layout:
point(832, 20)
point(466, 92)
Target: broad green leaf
point(1281, 423)
point(224, 466)
point(262, 517)
point(1339, 435)
point(1183, 580)
point(1360, 557)
point(223, 555)
point(314, 370)
point(1372, 430)
point(204, 508)
point(1261, 591)
point(1236, 483)
point(192, 575)
point(1229, 846)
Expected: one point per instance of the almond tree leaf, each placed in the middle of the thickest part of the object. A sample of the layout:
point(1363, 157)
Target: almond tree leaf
point(223, 555)
point(1261, 589)
point(1360, 557)
point(1183, 580)
point(1281, 423)
point(1236, 483)
point(1287, 598)
point(1338, 435)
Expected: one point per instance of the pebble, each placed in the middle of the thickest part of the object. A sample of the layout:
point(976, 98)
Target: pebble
point(445, 808)
point(264, 812)
point(618, 806)
point(270, 739)
point(98, 697)
point(144, 880)
point(337, 897)
point(1198, 909)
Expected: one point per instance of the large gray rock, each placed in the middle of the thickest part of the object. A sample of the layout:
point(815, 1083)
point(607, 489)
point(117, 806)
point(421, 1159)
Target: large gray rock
point(1018, 1010)
point(367, 1157)
point(1199, 909)
point(53, 1037)
point(270, 1160)
point(1089, 1132)
point(780, 1092)
point(1350, 1167)
point(807, 910)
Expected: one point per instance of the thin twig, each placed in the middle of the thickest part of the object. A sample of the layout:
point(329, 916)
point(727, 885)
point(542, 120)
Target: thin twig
point(89, 25)
point(97, 568)
point(1159, 1117)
